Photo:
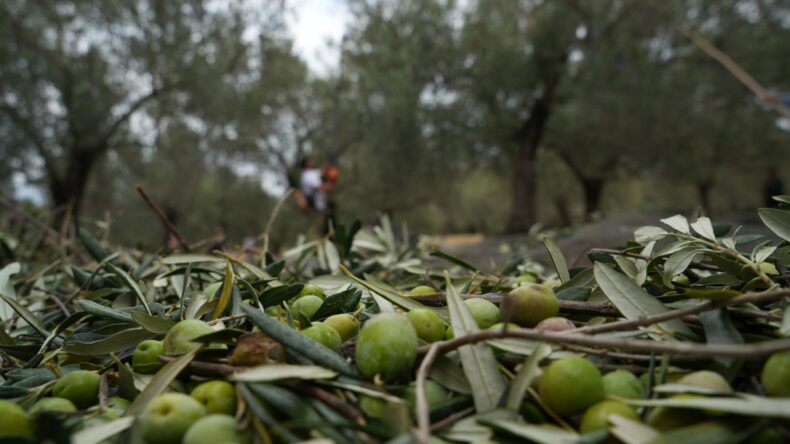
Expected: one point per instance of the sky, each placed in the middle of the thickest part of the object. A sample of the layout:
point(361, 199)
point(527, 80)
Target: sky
point(315, 23)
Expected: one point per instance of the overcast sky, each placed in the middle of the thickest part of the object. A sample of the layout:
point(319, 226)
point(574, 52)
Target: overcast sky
point(313, 24)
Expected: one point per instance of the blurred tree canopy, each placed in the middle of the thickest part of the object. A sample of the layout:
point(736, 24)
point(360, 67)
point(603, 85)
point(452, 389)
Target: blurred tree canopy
point(488, 115)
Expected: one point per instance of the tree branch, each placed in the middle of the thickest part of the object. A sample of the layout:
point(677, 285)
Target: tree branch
point(685, 349)
point(748, 298)
point(133, 108)
point(165, 220)
point(739, 73)
point(31, 133)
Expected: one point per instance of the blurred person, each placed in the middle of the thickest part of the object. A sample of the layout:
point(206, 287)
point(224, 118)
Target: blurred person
point(329, 178)
point(310, 184)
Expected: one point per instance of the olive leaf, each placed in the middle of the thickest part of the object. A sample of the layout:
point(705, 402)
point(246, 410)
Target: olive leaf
point(102, 311)
point(526, 375)
point(277, 295)
point(704, 228)
point(536, 433)
point(720, 330)
point(677, 222)
point(101, 432)
point(153, 324)
point(744, 404)
point(678, 262)
point(647, 234)
point(227, 288)
point(391, 296)
point(160, 382)
point(31, 319)
point(129, 283)
point(92, 245)
point(632, 432)
point(630, 299)
point(477, 360)
point(275, 372)
point(558, 259)
point(6, 288)
point(295, 340)
point(176, 259)
point(118, 342)
point(454, 260)
point(777, 221)
point(345, 301)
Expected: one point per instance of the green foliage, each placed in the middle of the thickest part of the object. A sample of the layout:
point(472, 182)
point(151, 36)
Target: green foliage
point(699, 294)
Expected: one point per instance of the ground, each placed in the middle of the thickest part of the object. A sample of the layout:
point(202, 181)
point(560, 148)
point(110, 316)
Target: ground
point(490, 252)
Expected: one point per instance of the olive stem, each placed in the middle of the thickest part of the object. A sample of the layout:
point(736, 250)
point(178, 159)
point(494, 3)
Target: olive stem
point(760, 297)
point(737, 254)
point(687, 349)
point(604, 309)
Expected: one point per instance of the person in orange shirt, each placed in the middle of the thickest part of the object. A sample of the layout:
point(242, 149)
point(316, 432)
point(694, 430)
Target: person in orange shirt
point(329, 178)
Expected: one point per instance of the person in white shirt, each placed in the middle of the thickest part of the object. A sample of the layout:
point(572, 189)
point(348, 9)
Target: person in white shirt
point(310, 184)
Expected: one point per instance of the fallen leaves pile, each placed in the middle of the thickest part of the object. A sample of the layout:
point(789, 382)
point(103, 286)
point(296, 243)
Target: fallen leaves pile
point(679, 336)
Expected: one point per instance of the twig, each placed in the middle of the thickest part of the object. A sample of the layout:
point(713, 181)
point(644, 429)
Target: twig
point(270, 222)
point(687, 349)
point(751, 350)
point(45, 229)
point(739, 73)
point(320, 394)
point(601, 309)
point(581, 254)
point(648, 258)
point(226, 318)
point(745, 313)
point(54, 297)
point(165, 220)
point(755, 298)
point(13, 206)
point(337, 404)
point(452, 419)
point(422, 410)
point(770, 284)
point(626, 356)
point(208, 241)
point(223, 369)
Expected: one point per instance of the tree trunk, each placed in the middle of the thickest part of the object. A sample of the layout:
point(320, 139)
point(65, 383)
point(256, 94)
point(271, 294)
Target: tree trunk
point(593, 185)
point(561, 204)
point(67, 190)
point(593, 190)
point(704, 190)
point(523, 210)
point(523, 191)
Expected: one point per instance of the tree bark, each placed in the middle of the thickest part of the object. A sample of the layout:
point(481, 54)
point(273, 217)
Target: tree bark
point(704, 191)
point(593, 190)
point(524, 208)
point(592, 185)
point(523, 211)
point(561, 204)
point(68, 189)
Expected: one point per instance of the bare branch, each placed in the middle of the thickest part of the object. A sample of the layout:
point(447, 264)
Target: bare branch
point(686, 349)
point(103, 141)
point(35, 137)
point(739, 73)
point(165, 220)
